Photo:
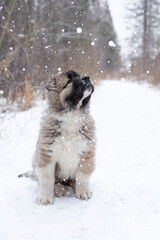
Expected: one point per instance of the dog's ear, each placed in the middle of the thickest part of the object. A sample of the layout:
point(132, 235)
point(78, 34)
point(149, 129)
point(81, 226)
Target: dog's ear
point(72, 74)
point(51, 83)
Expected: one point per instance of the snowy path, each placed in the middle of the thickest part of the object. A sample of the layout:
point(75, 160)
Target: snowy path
point(126, 184)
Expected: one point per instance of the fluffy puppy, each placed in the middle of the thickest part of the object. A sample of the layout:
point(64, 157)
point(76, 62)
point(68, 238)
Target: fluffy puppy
point(66, 146)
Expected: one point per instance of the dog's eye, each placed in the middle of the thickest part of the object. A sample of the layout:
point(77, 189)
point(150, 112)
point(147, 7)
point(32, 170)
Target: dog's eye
point(69, 81)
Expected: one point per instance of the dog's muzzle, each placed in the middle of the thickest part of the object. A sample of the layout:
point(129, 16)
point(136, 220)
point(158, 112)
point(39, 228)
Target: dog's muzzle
point(82, 87)
point(86, 83)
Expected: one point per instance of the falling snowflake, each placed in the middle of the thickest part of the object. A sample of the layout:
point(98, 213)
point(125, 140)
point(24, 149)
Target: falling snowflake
point(59, 69)
point(111, 43)
point(92, 43)
point(79, 30)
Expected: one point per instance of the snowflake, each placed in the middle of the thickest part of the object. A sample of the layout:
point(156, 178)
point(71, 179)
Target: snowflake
point(79, 30)
point(111, 43)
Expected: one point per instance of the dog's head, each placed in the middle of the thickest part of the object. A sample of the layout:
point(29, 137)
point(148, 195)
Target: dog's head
point(69, 91)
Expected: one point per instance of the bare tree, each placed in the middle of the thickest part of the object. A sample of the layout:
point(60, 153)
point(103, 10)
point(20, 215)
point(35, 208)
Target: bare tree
point(146, 18)
point(40, 37)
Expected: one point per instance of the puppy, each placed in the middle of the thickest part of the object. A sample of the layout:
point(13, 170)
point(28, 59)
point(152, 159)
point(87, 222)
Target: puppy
point(65, 153)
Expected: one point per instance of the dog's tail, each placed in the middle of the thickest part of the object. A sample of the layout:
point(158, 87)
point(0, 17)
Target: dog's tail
point(30, 174)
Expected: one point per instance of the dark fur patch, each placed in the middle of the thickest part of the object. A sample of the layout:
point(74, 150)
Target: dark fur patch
point(72, 74)
point(85, 101)
point(76, 94)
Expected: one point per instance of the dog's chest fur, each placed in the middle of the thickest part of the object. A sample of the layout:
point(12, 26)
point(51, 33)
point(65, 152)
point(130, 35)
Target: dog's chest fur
point(69, 145)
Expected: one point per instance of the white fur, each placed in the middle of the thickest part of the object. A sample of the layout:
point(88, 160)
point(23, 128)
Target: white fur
point(46, 180)
point(82, 186)
point(69, 146)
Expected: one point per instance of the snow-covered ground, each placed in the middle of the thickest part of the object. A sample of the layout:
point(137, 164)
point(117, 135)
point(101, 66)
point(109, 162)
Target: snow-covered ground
point(126, 184)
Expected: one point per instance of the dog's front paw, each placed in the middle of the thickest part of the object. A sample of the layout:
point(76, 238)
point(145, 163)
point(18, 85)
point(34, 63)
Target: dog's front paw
point(84, 194)
point(44, 200)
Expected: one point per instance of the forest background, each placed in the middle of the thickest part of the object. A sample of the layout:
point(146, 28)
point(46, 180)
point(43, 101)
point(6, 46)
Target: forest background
point(38, 38)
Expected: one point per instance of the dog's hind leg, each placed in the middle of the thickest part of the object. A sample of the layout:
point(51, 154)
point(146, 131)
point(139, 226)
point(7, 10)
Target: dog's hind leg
point(59, 190)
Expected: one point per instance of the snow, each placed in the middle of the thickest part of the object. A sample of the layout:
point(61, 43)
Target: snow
point(111, 44)
point(79, 30)
point(125, 184)
point(121, 21)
